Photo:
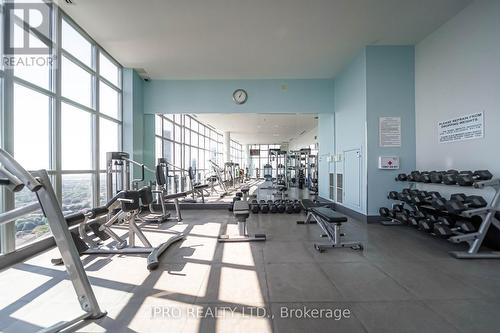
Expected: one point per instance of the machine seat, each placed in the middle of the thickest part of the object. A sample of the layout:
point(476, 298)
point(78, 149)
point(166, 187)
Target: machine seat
point(175, 195)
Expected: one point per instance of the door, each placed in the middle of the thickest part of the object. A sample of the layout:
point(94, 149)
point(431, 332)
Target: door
point(352, 178)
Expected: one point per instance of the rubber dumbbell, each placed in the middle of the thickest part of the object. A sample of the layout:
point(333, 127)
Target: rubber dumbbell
point(425, 197)
point(447, 227)
point(281, 208)
point(436, 177)
point(440, 203)
point(427, 224)
point(467, 178)
point(289, 208)
point(255, 208)
point(297, 207)
point(402, 177)
point(273, 208)
point(264, 208)
point(415, 217)
point(458, 206)
point(393, 195)
point(425, 177)
point(412, 177)
point(450, 177)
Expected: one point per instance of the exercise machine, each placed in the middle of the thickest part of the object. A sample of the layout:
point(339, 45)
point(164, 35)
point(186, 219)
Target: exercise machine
point(14, 177)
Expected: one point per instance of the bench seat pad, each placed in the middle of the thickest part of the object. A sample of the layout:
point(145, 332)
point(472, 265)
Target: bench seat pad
point(328, 215)
point(175, 195)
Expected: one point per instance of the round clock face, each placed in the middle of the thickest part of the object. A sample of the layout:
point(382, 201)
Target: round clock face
point(240, 96)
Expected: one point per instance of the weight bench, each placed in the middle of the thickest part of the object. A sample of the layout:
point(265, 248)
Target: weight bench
point(175, 197)
point(307, 204)
point(241, 211)
point(245, 190)
point(330, 221)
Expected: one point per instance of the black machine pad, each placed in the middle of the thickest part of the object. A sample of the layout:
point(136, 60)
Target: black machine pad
point(328, 214)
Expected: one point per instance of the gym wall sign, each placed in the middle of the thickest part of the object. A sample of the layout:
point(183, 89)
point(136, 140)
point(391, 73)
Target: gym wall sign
point(462, 128)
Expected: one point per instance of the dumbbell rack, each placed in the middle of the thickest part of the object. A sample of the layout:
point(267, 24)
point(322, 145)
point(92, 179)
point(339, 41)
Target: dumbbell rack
point(393, 221)
point(475, 239)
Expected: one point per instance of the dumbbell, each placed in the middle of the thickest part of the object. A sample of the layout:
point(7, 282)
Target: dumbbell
point(297, 207)
point(450, 177)
point(427, 224)
point(436, 177)
point(457, 206)
point(402, 177)
point(273, 208)
point(447, 227)
point(424, 177)
point(412, 177)
point(414, 217)
point(424, 197)
point(288, 208)
point(467, 178)
point(254, 207)
point(264, 207)
point(393, 195)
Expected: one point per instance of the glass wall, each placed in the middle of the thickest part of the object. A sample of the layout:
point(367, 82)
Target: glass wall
point(62, 117)
point(258, 161)
point(185, 142)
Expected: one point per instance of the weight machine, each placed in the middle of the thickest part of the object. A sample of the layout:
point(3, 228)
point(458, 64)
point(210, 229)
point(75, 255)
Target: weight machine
point(14, 177)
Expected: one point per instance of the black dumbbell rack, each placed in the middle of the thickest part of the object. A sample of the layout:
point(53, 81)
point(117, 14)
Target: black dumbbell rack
point(474, 239)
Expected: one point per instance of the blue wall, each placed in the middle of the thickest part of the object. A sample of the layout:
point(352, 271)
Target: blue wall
point(390, 82)
point(326, 140)
point(215, 96)
point(133, 116)
point(378, 82)
point(350, 119)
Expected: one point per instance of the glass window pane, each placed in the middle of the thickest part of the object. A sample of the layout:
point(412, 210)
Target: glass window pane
point(76, 44)
point(168, 151)
point(108, 70)
point(38, 73)
point(194, 139)
point(109, 134)
point(158, 123)
point(31, 128)
point(187, 136)
point(194, 157)
point(178, 156)
point(76, 192)
point(102, 189)
point(158, 149)
point(178, 134)
point(30, 227)
point(76, 83)
point(76, 138)
point(168, 129)
point(109, 100)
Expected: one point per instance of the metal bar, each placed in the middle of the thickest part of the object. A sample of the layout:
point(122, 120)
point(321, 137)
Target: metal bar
point(69, 253)
point(16, 213)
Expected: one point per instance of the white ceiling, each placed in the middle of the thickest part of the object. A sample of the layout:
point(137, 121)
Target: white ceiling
point(261, 127)
point(253, 39)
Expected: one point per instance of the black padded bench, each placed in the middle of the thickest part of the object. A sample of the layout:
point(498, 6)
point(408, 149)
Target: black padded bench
point(330, 222)
point(307, 204)
point(329, 215)
point(241, 210)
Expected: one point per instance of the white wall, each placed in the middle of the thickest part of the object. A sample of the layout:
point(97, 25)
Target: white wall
point(457, 71)
point(305, 140)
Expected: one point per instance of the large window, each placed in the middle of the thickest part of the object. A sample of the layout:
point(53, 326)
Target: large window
point(258, 161)
point(185, 142)
point(65, 117)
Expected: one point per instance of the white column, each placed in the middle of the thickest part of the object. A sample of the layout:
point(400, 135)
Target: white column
point(227, 147)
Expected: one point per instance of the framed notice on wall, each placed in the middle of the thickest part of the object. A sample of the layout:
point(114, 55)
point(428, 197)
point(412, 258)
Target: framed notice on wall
point(462, 128)
point(389, 129)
